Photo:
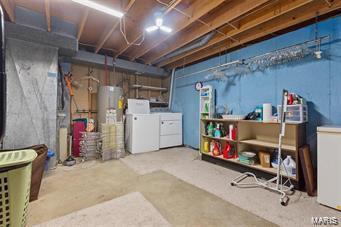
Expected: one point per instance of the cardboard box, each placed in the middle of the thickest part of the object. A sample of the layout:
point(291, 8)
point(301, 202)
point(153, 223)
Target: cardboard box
point(264, 159)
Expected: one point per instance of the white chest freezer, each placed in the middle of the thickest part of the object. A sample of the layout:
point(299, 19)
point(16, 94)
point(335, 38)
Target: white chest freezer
point(142, 127)
point(329, 166)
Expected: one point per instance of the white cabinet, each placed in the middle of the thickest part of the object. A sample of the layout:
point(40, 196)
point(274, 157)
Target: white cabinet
point(207, 102)
point(142, 133)
point(329, 166)
point(170, 129)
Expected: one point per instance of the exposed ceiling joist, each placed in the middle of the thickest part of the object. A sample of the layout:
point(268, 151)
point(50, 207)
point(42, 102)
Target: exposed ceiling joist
point(223, 15)
point(172, 6)
point(9, 9)
point(82, 23)
point(107, 34)
point(296, 17)
point(250, 22)
point(199, 9)
point(137, 37)
point(48, 14)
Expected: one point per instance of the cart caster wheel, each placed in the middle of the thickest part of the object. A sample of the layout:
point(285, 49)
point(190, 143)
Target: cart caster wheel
point(284, 202)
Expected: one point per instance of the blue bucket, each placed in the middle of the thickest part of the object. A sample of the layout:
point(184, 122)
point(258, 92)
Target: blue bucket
point(49, 160)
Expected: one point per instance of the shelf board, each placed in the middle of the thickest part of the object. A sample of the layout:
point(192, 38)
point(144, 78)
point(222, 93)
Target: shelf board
point(219, 120)
point(270, 170)
point(261, 143)
point(158, 102)
point(137, 86)
point(246, 121)
point(221, 138)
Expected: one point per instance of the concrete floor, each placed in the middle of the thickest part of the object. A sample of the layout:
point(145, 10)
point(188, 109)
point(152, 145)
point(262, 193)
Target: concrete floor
point(185, 164)
point(184, 189)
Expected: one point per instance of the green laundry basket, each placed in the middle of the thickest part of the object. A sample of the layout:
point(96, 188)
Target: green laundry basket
point(15, 181)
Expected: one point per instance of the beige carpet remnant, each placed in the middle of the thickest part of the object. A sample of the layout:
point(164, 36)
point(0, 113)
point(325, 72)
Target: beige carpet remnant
point(128, 210)
point(71, 190)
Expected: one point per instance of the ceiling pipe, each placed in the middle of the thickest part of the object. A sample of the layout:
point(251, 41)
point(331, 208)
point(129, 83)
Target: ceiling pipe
point(2, 77)
point(196, 44)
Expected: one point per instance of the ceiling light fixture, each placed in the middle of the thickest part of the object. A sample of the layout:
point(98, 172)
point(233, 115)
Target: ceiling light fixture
point(158, 26)
point(99, 7)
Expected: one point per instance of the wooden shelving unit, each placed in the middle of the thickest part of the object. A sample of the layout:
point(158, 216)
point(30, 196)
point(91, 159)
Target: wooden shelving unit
point(221, 138)
point(139, 87)
point(258, 136)
point(261, 143)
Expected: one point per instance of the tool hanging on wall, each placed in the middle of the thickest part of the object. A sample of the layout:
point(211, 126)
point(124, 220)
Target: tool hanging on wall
point(62, 101)
point(70, 161)
point(281, 187)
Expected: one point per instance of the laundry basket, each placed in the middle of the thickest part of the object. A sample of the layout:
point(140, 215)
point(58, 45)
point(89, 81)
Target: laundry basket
point(15, 180)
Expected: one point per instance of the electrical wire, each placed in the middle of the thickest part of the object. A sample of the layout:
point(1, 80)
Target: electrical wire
point(124, 34)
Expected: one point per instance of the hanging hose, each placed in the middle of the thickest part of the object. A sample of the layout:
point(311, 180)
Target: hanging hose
point(2, 77)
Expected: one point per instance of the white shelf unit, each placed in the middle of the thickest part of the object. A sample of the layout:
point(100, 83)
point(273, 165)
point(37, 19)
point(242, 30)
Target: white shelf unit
point(207, 102)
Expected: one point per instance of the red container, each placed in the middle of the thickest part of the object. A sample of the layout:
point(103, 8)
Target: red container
point(234, 134)
point(78, 127)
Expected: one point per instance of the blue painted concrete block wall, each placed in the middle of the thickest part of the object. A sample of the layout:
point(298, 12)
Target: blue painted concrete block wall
point(319, 81)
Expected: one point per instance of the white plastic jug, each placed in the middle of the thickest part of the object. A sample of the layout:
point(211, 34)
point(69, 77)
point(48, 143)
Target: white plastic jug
point(290, 165)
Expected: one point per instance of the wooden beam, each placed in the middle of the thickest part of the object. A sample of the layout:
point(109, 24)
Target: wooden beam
point(196, 10)
point(107, 35)
point(274, 11)
point(298, 16)
point(9, 10)
point(48, 15)
point(221, 16)
point(179, 23)
point(82, 23)
point(129, 5)
point(172, 6)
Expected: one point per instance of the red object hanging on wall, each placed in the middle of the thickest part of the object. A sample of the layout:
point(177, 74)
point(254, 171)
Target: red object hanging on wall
point(78, 127)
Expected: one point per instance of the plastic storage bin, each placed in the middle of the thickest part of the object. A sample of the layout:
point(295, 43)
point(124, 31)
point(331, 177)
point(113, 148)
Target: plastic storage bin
point(15, 182)
point(295, 113)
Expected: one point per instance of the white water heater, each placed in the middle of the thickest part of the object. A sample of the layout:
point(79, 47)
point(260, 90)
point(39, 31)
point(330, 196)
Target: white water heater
point(107, 99)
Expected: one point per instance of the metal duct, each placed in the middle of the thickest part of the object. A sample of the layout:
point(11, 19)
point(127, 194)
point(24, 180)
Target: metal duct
point(201, 42)
point(2, 77)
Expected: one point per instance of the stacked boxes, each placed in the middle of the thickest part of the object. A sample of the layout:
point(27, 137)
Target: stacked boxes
point(120, 151)
point(89, 145)
point(112, 136)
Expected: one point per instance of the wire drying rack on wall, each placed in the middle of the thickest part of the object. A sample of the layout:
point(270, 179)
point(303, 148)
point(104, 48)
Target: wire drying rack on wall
point(261, 62)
